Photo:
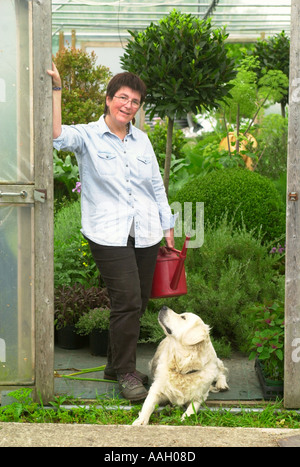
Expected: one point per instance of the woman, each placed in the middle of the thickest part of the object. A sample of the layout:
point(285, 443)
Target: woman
point(124, 212)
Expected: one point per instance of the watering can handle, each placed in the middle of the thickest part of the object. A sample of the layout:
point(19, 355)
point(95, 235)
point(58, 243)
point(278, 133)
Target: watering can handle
point(178, 270)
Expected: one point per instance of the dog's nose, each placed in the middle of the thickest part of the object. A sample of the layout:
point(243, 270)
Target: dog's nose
point(164, 308)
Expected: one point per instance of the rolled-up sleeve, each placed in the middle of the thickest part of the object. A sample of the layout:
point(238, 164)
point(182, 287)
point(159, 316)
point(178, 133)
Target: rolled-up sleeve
point(70, 139)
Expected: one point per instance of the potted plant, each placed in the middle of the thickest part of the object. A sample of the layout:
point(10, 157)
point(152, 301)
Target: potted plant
point(267, 346)
point(95, 324)
point(71, 302)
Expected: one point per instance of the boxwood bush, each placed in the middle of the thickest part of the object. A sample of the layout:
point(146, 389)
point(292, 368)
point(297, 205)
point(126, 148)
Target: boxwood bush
point(249, 198)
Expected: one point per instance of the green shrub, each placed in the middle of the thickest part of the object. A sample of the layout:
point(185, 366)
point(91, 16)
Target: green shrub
point(158, 138)
point(272, 137)
point(228, 273)
point(83, 83)
point(73, 261)
point(251, 199)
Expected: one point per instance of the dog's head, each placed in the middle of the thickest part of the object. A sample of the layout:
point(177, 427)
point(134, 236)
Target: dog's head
point(186, 328)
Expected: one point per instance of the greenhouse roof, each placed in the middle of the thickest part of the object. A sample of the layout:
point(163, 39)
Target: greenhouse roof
point(110, 20)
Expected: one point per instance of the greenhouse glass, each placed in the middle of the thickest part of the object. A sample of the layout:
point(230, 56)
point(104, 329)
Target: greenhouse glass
point(16, 216)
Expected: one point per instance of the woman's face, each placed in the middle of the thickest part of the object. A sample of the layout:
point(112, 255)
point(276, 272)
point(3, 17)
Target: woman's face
point(124, 105)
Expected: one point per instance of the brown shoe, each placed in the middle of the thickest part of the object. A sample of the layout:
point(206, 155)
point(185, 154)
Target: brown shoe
point(111, 375)
point(131, 387)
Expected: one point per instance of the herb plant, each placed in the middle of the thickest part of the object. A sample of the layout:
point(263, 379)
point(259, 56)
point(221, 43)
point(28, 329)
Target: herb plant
point(267, 339)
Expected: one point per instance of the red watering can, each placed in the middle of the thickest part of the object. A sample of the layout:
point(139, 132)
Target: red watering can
point(169, 275)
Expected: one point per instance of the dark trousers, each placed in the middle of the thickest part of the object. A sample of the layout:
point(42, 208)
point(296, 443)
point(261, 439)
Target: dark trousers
point(128, 273)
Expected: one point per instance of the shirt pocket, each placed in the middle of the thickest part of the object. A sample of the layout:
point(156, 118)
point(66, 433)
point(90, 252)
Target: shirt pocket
point(106, 163)
point(144, 166)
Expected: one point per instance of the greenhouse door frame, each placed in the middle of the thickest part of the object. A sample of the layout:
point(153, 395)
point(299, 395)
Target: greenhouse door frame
point(292, 270)
point(39, 195)
point(43, 234)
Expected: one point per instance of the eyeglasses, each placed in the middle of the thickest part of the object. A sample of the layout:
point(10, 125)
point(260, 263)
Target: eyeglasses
point(124, 100)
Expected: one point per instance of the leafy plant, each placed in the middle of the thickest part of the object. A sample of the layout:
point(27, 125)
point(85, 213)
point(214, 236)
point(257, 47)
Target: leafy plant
point(184, 63)
point(249, 198)
point(272, 138)
point(66, 174)
point(151, 331)
point(96, 319)
point(273, 54)
point(267, 339)
point(73, 261)
point(83, 84)
point(250, 93)
point(158, 138)
point(72, 302)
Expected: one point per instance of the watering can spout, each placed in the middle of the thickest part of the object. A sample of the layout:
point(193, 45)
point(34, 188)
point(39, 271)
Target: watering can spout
point(179, 267)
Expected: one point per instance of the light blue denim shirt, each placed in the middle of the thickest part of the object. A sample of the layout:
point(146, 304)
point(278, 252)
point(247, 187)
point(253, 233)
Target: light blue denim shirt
point(120, 183)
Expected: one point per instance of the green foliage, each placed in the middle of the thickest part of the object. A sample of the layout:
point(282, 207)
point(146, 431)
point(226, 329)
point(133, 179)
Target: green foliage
point(83, 83)
point(272, 137)
point(243, 95)
point(158, 138)
point(72, 302)
point(274, 85)
point(73, 261)
point(112, 412)
point(231, 270)
point(205, 156)
point(66, 174)
point(151, 331)
point(273, 54)
point(95, 319)
point(251, 92)
point(266, 342)
point(183, 62)
point(249, 198)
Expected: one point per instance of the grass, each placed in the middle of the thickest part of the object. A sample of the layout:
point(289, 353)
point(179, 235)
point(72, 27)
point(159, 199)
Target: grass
point(117, 412)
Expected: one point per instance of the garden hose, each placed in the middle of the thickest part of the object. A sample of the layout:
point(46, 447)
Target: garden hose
point(86, 370)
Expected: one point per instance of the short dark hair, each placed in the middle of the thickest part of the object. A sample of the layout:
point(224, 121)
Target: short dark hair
point(129, 80)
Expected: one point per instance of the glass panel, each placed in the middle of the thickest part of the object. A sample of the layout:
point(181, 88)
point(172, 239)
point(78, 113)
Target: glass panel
point(16, 295)
point(15, 83)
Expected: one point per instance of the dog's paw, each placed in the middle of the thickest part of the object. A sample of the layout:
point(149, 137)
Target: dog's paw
point(139, 422)
point(184, 416)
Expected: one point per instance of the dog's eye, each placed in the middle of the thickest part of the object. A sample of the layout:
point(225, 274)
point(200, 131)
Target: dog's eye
point(182, 317)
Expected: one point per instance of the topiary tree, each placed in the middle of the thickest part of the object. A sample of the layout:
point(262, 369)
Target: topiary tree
point(247, 197)
point(184, 64)
point(274, 54)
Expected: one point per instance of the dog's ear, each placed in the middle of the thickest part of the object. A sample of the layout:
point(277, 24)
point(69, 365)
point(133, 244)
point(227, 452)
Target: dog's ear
point(198, 333)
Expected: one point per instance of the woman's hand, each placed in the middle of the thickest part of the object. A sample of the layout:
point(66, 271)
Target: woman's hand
point(169, 236)
point(56, 100)
point(56, 80)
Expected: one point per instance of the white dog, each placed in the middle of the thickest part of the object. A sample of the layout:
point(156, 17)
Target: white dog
point(185, 366)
